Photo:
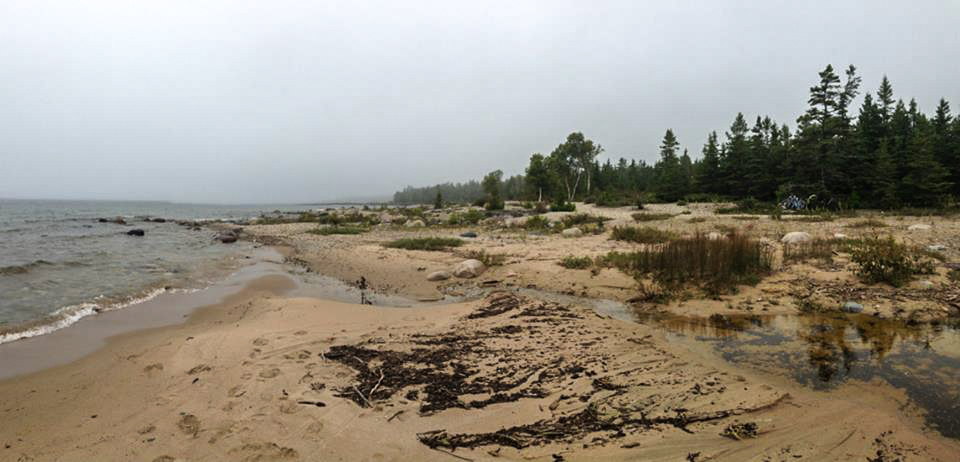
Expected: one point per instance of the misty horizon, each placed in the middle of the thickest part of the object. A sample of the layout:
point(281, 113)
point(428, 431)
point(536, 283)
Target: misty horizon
point(300, 103)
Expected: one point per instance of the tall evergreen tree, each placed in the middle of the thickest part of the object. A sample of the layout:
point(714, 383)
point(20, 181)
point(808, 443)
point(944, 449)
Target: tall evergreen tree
point(670, 183)
point(708, 177)
point(734, 158)
point(926, 183)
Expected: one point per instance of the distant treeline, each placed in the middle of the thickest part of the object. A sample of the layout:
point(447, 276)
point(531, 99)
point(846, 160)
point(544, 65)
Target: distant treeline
point(886, 156)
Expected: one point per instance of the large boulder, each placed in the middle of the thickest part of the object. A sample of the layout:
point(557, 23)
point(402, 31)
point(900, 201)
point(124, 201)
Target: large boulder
point(470, 234)
point(919, 227)
point(469, 269)
point(572, 232)
point(414, 224)
point(439, 276)
point(796, 237)
point(136, 232)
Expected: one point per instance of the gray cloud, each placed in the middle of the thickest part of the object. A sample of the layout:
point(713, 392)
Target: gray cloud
point(297, 101)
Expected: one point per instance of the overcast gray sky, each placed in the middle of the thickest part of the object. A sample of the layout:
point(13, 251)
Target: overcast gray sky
point(277, 101)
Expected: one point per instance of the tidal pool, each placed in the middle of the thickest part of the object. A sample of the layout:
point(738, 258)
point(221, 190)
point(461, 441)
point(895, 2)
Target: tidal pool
point(823, 351)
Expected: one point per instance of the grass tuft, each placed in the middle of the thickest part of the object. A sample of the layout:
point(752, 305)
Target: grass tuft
point(717, 265)
point(425, 243)
point(642, 217)
point(868, 223)
point(571, 262)
point(640, 235)
point(331, 230)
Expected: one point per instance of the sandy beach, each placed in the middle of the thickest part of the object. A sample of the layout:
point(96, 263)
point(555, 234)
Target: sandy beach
point(497, 374)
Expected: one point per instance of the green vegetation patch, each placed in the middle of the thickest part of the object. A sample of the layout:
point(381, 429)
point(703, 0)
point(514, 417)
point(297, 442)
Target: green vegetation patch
point(571, 262)
point(868, 223)
point(641, 235)
point(425, 243)
point(884, 260)
point(331, 230)
point(716, 265)
point(642, 217)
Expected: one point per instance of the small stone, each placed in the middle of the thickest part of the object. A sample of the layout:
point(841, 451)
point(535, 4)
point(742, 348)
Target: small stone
point(852, 307)
point(439, 276)
point(918, 227)
point(572, 232)
point(936, 248)
point(470, 234)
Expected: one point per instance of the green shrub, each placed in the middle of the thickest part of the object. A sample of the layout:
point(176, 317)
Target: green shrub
point(698, 220)
point(494, 204)
point(425, 243)
point(470, 217)
point(887, 261)
point(330, 230)
point(537, 222)
point(639, 216)
point(571, 262)
point(563, 207)
point(681, 203)
point(580, 219)
point(541, 208)
point(640, 235)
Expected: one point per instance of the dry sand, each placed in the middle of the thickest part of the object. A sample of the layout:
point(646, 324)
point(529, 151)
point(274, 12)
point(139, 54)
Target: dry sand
point(242, 381)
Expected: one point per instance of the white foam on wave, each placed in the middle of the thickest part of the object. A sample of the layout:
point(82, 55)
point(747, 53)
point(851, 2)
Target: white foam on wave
point(69, 315)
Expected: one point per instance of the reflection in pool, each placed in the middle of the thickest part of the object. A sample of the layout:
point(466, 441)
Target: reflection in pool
point(823, 351)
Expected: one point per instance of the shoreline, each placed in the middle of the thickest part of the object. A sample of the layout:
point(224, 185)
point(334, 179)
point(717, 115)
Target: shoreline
point(245, 377)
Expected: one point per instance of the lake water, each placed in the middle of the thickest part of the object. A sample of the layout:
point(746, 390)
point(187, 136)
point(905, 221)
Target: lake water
point(59, 263)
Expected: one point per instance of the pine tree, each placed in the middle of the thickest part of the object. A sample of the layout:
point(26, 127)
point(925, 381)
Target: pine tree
point(668, 170)
point(885, 99)
point(708, 176)
point(927, 182)
point(734, 157)
point(944, 144)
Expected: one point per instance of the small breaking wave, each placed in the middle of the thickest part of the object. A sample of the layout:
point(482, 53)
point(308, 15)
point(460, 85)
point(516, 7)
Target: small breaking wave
point(69, 315)
point(24, 268)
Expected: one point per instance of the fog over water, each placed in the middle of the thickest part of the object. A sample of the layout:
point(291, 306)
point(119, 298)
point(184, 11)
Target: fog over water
point(284, 101)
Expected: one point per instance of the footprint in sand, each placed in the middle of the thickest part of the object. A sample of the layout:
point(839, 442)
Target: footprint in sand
point(313, 431)
point(289, 407)
point(198, 369)
point(270, 373)
point(264, 451)
point(189, 424)
point(260, 341)
point(236, 392)
point(153, 367)
point(164, 459)
point(300, 332)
